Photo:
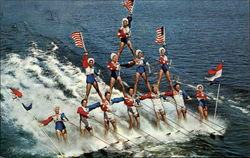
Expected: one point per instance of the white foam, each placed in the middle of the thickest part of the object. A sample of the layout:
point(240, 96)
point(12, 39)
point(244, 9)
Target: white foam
point(28, 75)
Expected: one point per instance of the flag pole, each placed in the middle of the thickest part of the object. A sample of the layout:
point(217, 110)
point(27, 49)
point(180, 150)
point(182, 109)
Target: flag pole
point(217, 101)
point(133, 7)
point(164, 33)
point(85, 50)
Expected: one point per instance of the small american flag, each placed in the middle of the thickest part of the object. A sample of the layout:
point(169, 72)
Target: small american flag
point(160, 35)
point(129, 5)
point(77, 36)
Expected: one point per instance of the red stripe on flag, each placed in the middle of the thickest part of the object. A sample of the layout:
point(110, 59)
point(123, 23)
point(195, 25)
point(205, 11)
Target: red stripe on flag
point(160, 35)
point(78, 39)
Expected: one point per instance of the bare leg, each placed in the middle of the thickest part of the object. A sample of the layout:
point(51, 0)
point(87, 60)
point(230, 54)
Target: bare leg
point(95, 84)
point(131, 122)
point(91, 132)
point(144, 76)
point(59, 136)
point(65, 136)
point(114, 125)
point(112, 83)
point(106, 125)
point(163, 116)
point(157, 115)
point(179, 113)
point(137, 76)
point(88, 88)
point(184, 114)
point(138, 125)
point(121, 47)
point(119, 79)
point(169, 80)
point(205, 113)
point(130, 46)
point(83, 132)
point(159, 77)
point(200, 109)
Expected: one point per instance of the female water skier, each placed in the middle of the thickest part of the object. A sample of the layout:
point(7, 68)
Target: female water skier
point(108, 112)
point(124, 34)
point(132, 105)
point(58, 118)
point(83, 111)
point(115, 68)
point(140, 62)
point(202, 106)
point(163, 59)
point(88, 64)
point(179, 96)
point(155, 96)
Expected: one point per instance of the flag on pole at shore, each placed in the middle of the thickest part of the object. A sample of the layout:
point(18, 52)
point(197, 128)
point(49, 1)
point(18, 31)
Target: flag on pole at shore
point(129, 5)
point(77, 36)
point(217, 74)
point(160, 35)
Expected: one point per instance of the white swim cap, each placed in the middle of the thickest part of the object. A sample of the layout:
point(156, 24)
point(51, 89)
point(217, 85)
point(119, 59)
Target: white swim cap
point(89, 59)
point(160, 49)
point(112, 55)
point(137, 52)
point(199, 85)
point(124, 19)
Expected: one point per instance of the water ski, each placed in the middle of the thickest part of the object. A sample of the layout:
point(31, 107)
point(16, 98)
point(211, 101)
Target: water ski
point(111, 144)
point(168, 133)
point(213, 135)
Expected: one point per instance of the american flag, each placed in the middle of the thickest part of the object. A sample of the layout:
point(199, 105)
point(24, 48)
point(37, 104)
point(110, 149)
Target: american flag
point(77, 36)
point(129, 5)
point(160, 35)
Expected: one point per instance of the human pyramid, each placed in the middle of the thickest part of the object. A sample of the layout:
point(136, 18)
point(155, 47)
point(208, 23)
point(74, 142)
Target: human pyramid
point(130, 98)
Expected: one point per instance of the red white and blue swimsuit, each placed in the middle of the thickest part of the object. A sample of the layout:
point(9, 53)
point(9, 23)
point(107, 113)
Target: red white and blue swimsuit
point(164, 61)
point(90, 72)
point(141, 66)
point(201, 98)
point(59, 125)
point(114, 69)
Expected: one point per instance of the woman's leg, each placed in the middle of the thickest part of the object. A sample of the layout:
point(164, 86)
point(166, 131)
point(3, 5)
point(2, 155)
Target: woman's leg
point(157, 116)
point(138, 124)
point(144, 76)
point(59, 136)
point(179, 113)
point(111, 85)
point(167, 73)
point(95, 84)
point(159, 78)
point(106, 125)
point(65, 136)
point(119, 79)
point(83, 132)
point(130, 46)
point(131, 122)
point(184, 114)
point(121, 47)
point(114, 125)
point(205, 113)
point(137, 76)
point(163, 116)
point(88, 88)
point(200, 109)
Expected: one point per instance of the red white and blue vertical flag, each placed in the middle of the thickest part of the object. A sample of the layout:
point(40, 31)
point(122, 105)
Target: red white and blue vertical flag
point(160, 35)
point(129, 5)
point(217, 73)
point(77, 37)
